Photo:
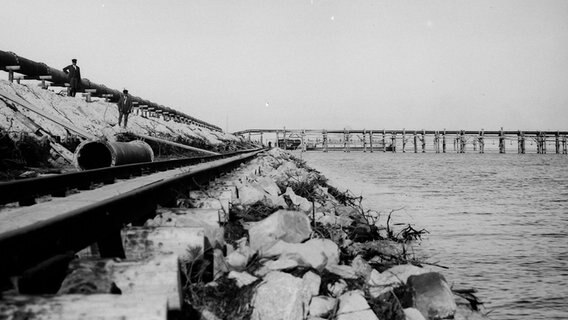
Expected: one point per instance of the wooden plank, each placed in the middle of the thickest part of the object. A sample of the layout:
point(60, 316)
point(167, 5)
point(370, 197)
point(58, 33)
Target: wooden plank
point(84, 307)
point(24, 103)
point(151, 267)
point(144, 242)
point(157, 277)
point(205, 219)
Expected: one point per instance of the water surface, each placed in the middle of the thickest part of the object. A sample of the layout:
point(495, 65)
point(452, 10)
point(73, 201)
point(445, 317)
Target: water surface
point(498, 221)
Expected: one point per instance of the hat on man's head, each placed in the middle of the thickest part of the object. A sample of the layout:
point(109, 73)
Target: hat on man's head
point(124, 91)
point(73, 60)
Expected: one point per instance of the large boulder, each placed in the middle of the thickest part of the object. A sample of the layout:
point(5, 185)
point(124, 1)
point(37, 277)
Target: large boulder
point(413, 314)
point(391, 278)
point(322, 306)
point(300, 202)
point(353, 306)
point(315, 253)
point(249, 194)
point(268, 185)
point(432, 296)
point(280, 296)
point(288, 226)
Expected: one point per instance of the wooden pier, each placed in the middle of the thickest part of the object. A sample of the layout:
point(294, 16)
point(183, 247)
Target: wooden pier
point(417, 141)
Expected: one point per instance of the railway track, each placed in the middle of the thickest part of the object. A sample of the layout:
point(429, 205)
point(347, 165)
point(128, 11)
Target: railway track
point(49, 221)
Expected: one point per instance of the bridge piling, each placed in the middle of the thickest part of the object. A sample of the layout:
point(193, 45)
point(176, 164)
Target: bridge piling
point(521, 142)
point(423, 140)
point(501, 141)
point(481, 141)
point(464, 140)
point(346, 146)
point(303, 140)
point(444, 141)
point(557, 142)
point(415, 142)
point(384, 144)
point(403, 141)
point(542, 143)
point(393, 143)
point(364, 140)
point(474, 142)
point(371, 140)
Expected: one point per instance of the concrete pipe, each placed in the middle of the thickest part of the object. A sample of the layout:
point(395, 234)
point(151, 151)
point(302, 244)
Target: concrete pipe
point(102, 154)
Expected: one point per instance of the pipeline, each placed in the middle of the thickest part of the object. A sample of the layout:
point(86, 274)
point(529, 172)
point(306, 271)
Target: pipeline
point(102, 154)
point(40, 71)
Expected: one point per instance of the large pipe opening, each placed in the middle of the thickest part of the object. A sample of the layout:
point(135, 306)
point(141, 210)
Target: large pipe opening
point(102, 154)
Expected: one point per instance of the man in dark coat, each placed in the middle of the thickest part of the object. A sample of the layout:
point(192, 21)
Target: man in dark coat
point(124, 107)
point(74, 76)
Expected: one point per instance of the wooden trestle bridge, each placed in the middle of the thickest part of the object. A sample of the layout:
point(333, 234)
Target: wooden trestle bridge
point(410, 140)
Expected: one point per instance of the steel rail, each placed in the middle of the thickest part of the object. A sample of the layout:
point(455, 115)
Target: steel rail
point(31, 243)
point(26, 191)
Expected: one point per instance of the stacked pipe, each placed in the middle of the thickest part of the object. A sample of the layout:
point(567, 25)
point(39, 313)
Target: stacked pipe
point(40, 71)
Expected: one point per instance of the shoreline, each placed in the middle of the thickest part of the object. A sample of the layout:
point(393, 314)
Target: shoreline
point(346, 224)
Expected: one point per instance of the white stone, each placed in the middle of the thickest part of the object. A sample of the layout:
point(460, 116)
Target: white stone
point(352, 305)
point(288, 226)
point(242, 278)
point(391, 278)
point(432, 295)
point(279, 297)
point(249, 194)
point(322, 306)
point(238, 259)
point(208, 203)
point(197, 194)
point(413, 314)
point(337, 288)
point(362, 267)
point(269, 186)
point(315, 253)
point(302, 203)
point(275, 201)
point(281, 264)
point(327, 219)
point(312, 283)
point(345, 272)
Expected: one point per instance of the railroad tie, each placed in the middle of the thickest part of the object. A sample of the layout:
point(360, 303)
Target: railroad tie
point(146, 285)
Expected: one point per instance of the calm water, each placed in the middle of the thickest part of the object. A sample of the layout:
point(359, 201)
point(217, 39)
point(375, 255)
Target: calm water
point(498, 221)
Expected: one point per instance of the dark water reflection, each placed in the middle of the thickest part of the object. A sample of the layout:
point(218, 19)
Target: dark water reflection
point(498, 221)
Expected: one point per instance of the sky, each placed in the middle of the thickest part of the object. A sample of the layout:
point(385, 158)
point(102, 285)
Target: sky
point(309, 64)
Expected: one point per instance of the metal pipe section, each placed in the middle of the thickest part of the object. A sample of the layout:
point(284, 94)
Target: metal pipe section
point(175, 144)
point(40, 71)
point(101, 154)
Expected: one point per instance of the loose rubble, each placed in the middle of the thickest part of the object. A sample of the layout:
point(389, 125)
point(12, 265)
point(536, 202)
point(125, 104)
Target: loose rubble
point(296, 248)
